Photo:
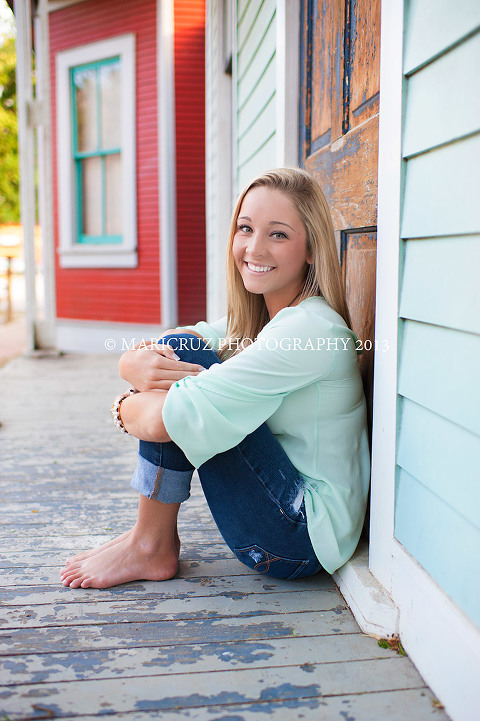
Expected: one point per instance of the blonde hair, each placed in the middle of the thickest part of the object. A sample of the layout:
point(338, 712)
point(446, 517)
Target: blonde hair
point(247, 312)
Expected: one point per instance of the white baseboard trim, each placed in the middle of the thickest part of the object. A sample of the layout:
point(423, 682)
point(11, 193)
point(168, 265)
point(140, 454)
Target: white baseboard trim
point(82, 336)
point(441, 640)
point(369, 602)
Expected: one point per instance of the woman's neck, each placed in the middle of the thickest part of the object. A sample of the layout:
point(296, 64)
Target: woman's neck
point(276, 305)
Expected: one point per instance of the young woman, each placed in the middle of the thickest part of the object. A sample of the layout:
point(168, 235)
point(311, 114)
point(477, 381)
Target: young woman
point(273, 418)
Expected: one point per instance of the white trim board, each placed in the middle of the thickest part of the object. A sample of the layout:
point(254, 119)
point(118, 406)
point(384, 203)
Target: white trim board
point(88, 336)
point(167, 161)
point(374, 610)
point(26, 138)
point(388, 267)
point(442, 642)
point(287, 65)
point(54, 5)
point(73, 254)
point(218, 156)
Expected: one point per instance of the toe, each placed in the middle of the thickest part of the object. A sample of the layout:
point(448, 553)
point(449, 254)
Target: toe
point(67, 578)
point(75, 583)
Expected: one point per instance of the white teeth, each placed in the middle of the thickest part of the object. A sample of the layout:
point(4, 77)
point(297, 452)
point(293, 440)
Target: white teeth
point(259, 268)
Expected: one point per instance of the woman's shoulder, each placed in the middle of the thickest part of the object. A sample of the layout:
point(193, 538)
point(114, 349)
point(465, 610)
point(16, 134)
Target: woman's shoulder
point(213, 333)
point(310, 316)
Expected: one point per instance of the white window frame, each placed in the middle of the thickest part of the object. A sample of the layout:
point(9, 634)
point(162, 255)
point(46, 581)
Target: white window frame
point(83, 255)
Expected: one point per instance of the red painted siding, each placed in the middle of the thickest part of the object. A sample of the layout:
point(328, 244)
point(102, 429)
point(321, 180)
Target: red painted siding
point(190, 149)
point(125, 295)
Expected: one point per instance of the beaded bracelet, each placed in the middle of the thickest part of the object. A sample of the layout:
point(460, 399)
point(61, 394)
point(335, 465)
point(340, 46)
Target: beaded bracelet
point(115, 409)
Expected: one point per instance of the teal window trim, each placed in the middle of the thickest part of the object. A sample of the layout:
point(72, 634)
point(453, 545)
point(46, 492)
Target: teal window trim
point(99, 152)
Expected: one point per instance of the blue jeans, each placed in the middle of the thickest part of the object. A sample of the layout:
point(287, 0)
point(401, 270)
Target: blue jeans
point(254, 492)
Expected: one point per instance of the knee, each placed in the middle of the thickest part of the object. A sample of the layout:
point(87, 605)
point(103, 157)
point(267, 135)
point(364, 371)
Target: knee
point(191, 348)
point(184, 342)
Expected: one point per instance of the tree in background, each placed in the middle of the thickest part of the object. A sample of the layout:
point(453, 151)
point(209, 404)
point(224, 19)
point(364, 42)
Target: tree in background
point(9, 177)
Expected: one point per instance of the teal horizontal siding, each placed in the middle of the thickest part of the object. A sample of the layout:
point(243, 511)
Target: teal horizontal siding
point(263, 160)
point(247, 11)
point(432, 26)
point(256, 89)
point(440, 108)
point(437, 504)
point(242, 6)
point(252, 67)
point(442, 191)
point(440, 283)
point(441, 540)
point(263, 88)
point(439, 369)
point(442, 456)
point(259, 130)
point(250, 37)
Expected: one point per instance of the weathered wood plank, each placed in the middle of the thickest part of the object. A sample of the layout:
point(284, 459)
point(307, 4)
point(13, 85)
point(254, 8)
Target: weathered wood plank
point(347, 173)
point(364, 61)
point(414, 705)
point(56, 557)
point(87, 523)
point(189, 658)
point(19, 530)
point(180, 588)
point(119, 611)
point(187, 569)
point(165, 633)
point(194, 690)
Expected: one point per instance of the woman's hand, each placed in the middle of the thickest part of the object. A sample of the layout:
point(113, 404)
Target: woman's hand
point(154, 367)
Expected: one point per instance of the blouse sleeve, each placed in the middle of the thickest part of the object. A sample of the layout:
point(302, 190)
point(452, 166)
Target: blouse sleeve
point(212, 412)
point(212, 333)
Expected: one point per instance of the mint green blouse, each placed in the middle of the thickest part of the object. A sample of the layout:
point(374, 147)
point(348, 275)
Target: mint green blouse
point(301, 376)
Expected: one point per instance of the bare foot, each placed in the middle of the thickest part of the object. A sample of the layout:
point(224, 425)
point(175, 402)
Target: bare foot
point(93, 551)
point(124, 561)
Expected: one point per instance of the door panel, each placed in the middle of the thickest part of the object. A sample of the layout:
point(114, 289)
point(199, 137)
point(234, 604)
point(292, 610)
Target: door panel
point(339, 63)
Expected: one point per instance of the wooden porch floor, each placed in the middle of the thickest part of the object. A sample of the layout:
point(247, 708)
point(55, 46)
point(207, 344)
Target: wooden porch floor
point(217, 643)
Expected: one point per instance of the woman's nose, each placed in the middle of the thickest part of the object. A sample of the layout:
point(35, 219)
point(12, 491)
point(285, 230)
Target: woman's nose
point(255, 246)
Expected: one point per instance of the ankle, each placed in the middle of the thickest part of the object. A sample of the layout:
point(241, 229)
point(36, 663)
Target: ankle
point(151, 544)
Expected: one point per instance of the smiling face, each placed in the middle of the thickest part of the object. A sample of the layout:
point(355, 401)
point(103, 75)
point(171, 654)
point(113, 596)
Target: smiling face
point(270, 247)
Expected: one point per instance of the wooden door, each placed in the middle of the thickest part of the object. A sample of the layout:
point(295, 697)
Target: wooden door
point(339, 104)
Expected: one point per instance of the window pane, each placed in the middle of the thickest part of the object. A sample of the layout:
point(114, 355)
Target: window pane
point(85, 97)
point(109, 79)
point(92, 196)
point(113, 194)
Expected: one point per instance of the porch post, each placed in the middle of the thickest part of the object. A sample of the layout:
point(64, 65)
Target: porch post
point(167, 162)
point(45, 328)
point(26, 143)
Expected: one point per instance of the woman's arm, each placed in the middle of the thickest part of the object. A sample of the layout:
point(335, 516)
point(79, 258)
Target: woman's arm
point(141, 415)
point(155, 367)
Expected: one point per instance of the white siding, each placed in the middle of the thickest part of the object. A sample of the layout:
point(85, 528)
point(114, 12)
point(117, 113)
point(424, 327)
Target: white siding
point(256, 118)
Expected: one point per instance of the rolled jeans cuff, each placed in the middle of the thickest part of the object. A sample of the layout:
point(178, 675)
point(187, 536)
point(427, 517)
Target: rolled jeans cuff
point(161, 484)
